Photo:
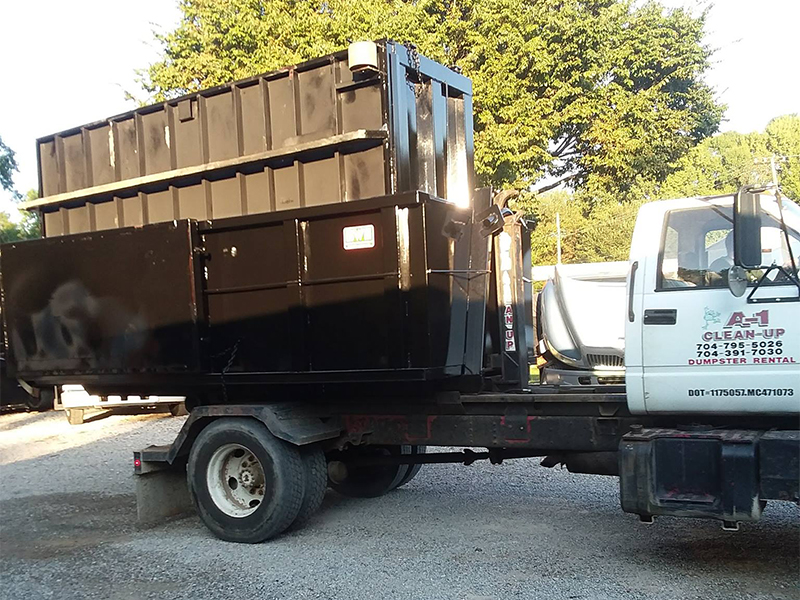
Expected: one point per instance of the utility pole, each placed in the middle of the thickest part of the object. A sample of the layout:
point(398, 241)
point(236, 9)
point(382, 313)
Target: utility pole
point(774, 170)
point(558, 238)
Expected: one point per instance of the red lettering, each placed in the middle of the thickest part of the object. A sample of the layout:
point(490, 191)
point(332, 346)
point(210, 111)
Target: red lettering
point(737, 319)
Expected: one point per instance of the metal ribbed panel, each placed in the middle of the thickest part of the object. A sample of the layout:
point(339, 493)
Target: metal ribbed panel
point(306, 135)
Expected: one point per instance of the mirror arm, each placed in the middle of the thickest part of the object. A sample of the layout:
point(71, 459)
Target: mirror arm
point(792, 279)
point(779, 198)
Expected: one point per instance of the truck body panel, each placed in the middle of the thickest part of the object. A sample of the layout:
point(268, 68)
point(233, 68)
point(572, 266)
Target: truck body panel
point(691, 345)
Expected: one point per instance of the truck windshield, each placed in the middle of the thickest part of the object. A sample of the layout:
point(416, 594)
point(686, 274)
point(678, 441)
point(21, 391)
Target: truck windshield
point(697, 246)
point(791, 211)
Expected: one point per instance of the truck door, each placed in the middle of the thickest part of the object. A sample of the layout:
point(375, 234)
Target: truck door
point(702, 348)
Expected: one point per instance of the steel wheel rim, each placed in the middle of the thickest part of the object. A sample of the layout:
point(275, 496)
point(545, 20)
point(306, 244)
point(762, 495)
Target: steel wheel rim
point(235, 480)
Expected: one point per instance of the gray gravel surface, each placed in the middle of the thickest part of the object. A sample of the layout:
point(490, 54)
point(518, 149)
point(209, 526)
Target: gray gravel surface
point(68, 530)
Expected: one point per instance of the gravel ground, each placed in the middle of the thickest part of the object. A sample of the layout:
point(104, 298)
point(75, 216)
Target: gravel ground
point(517, 530)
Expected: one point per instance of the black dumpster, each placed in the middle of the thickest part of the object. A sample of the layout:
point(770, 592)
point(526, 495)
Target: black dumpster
point(327, 131)
point(370, 291)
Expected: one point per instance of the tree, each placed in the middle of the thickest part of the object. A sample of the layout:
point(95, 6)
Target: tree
point(28, 226)
point(9, 231)
point(718, 165)
point(725, 162)
point(599, 229)
point(596, 94)
point(783, 140)
point(30, 223)
point(590, 232)
point(8, 166)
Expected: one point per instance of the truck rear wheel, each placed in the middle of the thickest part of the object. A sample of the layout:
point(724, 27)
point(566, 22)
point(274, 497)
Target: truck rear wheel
point(315, 469)
point(413, 469)
point(43, 402)
point(368, 481)
point(247, 485)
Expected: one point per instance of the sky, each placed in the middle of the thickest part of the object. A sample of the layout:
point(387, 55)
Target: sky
point(70, 63)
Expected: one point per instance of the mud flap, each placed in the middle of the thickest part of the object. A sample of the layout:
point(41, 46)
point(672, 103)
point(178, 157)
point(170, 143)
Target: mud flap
point(161, 492)
point(707, 474)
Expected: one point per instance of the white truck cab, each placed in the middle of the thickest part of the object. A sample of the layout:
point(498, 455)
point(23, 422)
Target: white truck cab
point(704, 335)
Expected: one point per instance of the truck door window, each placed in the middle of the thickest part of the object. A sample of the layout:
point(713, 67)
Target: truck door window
point(774, 250)
point(719, 256)
point(697, 248)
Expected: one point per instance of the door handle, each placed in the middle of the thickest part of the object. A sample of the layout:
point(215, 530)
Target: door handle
point(634, 267)
point(661, 316)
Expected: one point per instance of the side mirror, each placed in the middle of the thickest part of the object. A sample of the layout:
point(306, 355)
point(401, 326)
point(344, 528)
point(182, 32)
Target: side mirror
point(747, 229)
point(737, 281)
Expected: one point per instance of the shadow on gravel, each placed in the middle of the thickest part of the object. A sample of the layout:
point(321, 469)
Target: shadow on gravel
point(759, 550)
point(53, 525)
point(18, 419)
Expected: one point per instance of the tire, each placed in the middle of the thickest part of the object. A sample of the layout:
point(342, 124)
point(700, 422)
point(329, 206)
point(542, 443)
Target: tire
point(413, 469)
point(227, 455)
point(75, 416)
point(368, 481)
point(43, 402)
point(315, 469)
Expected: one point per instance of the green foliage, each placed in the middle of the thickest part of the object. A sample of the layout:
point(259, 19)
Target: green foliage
point(599, 227)
point(718, 165)
point(8, 166)
point(783, 140)
point(725, 162)
point(9, 231)
point(590, 232)
point(28, 226)
point(596, 93)
point(30, 223)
